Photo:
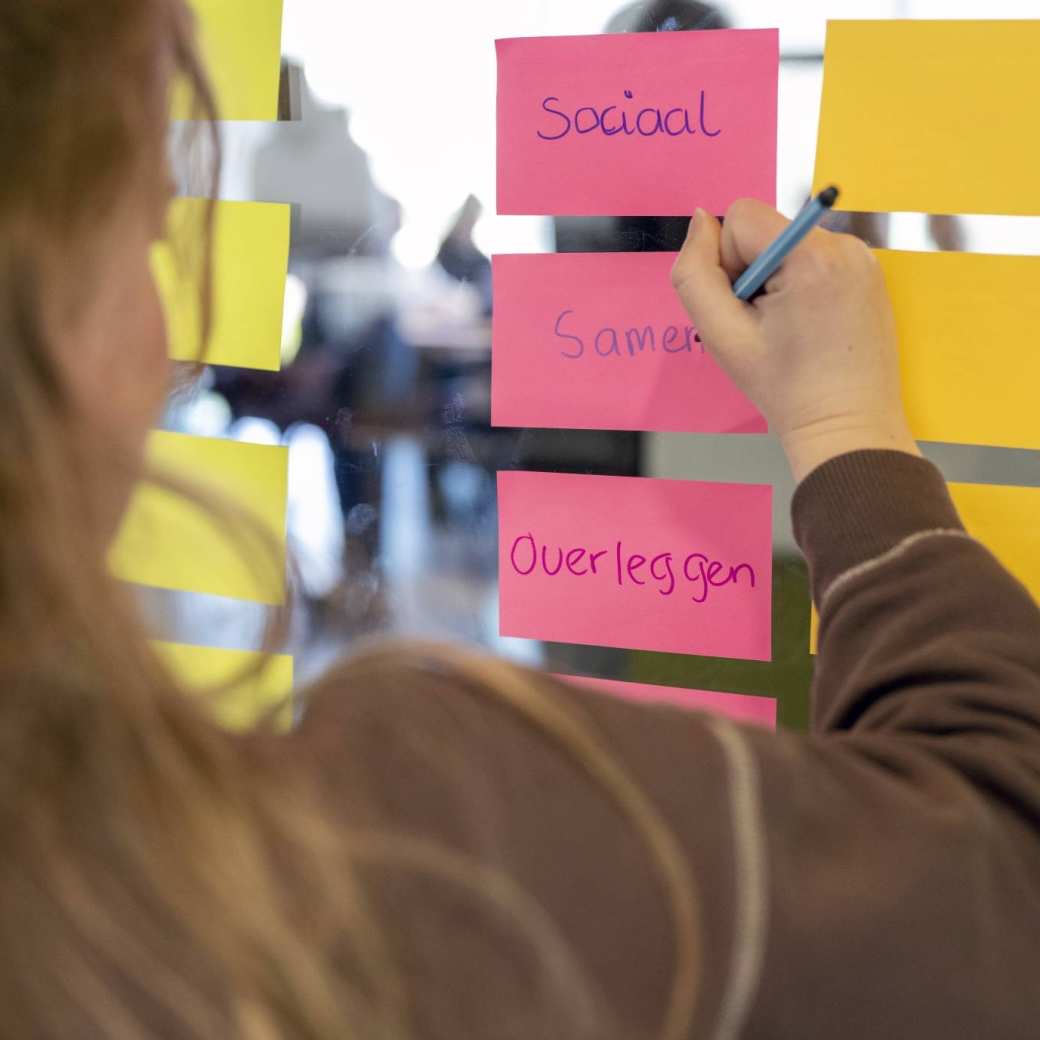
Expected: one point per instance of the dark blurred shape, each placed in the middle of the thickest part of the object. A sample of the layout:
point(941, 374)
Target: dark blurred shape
point(946, 232)
point(667, 16)
point(871, 228)
point(290, 92)
point(460, 256)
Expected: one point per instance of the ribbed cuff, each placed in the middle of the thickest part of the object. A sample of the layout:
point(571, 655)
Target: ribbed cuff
point(857, 506)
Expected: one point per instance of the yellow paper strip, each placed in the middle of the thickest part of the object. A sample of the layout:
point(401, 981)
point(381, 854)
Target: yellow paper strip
point(242, 49)
point(1007, 521)
point(250, 261)
point(814, 630)
point(245, 704)
point(969, 325)
point(931, 116)
point(169, 542)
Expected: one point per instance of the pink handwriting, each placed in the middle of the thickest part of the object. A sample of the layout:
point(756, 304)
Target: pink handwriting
point(698, 573)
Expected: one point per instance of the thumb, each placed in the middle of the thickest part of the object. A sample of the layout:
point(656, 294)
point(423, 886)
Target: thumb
point(724, 322)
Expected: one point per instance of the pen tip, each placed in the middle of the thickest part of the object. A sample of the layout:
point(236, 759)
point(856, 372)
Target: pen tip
point(829, 196)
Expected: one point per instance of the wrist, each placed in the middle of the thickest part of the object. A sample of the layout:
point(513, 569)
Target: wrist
point(810, 446)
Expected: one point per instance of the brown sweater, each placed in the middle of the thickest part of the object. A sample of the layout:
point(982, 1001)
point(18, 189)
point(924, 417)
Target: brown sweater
point(879, 878)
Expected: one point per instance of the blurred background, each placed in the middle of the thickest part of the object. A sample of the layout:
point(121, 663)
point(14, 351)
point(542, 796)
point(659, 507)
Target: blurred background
point(384, 396)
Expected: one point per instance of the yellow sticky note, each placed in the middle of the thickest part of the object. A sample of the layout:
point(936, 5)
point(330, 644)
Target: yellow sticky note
point(931, 116)
point(246, 702)
point(969, 325)
point(241, 43)
point(170, 542)
point(250, 262)
point(1007, 521)
point(814, 630)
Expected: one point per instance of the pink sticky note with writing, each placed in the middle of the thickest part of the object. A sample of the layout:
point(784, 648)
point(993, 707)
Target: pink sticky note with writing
point(601, 341)
point(680, 566)
point(637, 124)
point(741, 707)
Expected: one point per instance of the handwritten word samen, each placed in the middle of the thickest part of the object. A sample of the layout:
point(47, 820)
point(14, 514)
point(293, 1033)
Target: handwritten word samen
point(601, 341)
point(636, 339)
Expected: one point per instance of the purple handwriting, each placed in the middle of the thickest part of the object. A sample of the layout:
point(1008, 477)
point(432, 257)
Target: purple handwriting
point(628, 342)
point(700, 572)
point(614, 120)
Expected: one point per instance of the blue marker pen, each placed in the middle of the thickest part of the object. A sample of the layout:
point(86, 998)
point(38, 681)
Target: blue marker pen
point(766, 265)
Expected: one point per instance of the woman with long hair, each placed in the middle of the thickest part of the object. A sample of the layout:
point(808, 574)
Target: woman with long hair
point(448, 846)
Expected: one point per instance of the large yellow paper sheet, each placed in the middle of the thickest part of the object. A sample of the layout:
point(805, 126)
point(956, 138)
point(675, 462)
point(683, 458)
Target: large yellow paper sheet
point(247, 702)
point(931, 116)
point(250, 262)
point(242, 49)
point(969, 338)
point(168, 542)
point(1007, 521)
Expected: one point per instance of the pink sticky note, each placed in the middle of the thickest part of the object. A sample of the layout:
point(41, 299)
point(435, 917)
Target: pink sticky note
point(680, 566)
point(637, 124)
point(741, 707)
point(601, 341)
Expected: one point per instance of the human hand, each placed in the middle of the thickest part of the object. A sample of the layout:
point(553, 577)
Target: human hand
point(817, 351)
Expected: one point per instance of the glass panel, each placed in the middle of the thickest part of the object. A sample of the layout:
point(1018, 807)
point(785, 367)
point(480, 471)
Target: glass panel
point(384, 398)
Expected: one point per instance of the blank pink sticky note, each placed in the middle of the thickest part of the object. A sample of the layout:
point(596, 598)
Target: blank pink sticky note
point(679, 566)
point(741, 707)
point(637, 124)
point(601, 341)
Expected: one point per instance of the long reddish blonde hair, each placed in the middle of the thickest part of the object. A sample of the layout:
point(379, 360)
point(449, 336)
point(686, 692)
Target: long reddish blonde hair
point(154, 879)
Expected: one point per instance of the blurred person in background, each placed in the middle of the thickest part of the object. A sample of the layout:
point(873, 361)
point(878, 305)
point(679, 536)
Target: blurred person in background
point(665, 233)
point(640, 234)
point(449, 847)
point(316, 158)
point(353, 374)
point(622, 453)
